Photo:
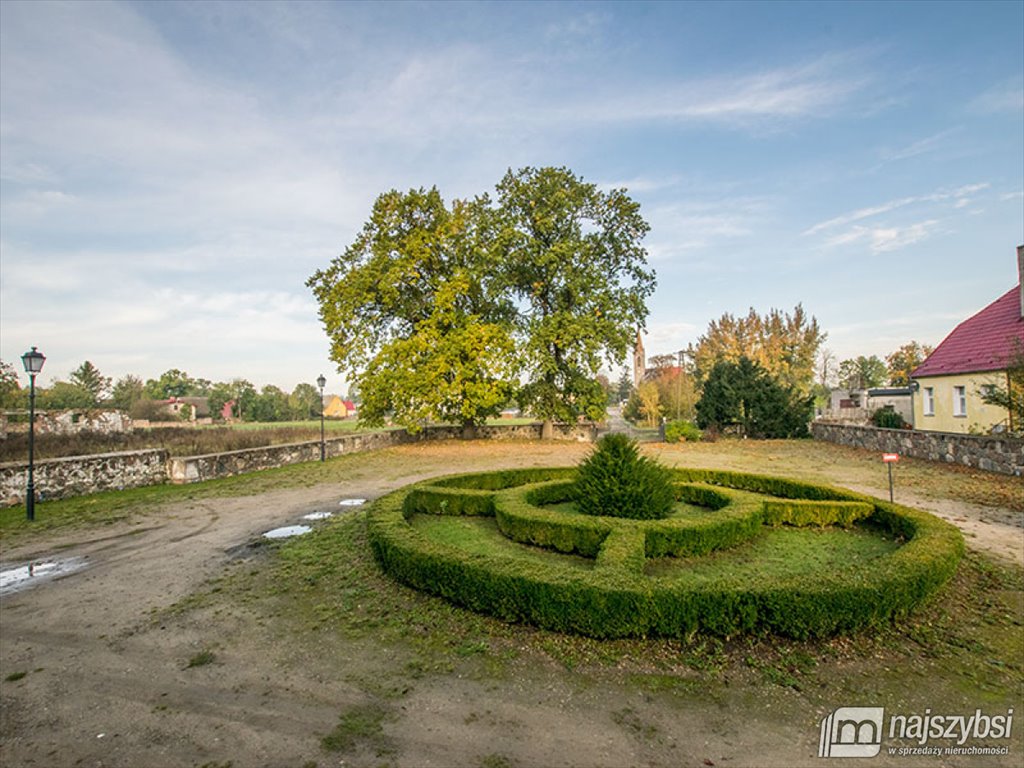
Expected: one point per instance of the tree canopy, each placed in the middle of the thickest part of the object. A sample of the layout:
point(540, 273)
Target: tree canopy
point(744, 395)
point(862, 372)
point(573, 256)
point(903, 361)
point(783, 344)
point(436, 311)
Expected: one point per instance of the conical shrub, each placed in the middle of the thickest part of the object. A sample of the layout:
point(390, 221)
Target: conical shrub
point(615, 480)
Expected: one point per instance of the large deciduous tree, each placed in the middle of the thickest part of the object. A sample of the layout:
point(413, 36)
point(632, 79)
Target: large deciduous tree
point(415, 314)
point(862, 372)
point(783, 344)
point(573, 256)
point(904, 360)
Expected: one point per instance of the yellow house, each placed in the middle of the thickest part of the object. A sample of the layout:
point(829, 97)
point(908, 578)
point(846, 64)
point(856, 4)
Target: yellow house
point(336, 408)
point(978, 353)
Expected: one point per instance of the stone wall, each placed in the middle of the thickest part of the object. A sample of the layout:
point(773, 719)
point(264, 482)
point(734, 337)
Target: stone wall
point(989, 452)
point(78, 475)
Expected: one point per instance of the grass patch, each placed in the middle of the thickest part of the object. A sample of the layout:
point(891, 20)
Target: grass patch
point(779, 553)
point(360, 727)
point(480, 536)
point(201, 659)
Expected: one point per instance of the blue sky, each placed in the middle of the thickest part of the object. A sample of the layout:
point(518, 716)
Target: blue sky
point(172, 173)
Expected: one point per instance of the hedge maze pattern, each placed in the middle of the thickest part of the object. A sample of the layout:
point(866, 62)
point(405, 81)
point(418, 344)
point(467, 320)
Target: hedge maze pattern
point(616, 593)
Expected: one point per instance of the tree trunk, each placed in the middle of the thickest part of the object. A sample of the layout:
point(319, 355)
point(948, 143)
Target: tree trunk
point(547, 430)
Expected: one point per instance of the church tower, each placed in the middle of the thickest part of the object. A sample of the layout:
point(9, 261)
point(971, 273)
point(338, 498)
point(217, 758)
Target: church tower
point(639, 360)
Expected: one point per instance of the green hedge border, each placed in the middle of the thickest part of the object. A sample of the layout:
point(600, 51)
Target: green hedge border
point(616, 599)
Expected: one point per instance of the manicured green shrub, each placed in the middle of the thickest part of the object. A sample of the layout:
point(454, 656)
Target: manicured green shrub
point(616, 598)
point(682, 431)
point(616, 481)
point(887, 418)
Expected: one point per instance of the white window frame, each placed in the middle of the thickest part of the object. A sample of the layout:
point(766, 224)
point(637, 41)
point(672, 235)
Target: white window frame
point(928, 401)
point(960, 402)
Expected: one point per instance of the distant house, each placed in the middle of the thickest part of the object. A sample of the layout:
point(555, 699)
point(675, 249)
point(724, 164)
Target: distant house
point(194, 408)
point(336, 408)
point(978, 353)
point(857, 405)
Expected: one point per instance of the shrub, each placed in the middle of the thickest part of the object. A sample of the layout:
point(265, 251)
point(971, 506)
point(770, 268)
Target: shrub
point(887, 418)
point(682, 431)
point(616, 597)
point(616, 481)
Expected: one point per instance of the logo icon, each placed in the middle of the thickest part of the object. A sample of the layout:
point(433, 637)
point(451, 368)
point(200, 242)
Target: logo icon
point(851, 732)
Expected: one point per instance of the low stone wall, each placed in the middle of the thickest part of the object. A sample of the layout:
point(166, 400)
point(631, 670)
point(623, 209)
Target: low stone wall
point(988, 452)
point(79, 475)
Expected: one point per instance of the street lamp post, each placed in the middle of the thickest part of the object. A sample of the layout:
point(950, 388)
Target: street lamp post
point(33, 362)
point(321, 381)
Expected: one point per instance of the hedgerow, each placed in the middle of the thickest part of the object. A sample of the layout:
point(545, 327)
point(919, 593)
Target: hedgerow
point(617, 598)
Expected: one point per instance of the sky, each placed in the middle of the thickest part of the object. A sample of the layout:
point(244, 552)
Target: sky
point(172, 173)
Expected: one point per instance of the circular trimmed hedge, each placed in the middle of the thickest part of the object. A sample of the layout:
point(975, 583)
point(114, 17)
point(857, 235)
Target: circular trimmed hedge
point(617, 594)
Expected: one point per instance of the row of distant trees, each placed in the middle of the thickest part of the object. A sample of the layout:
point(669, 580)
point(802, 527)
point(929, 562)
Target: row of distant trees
point(87, 388)
point(758, 374)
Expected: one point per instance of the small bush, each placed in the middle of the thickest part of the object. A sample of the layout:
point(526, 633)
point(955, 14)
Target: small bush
point(616, 481)
point(887, 418)
point(682, 431)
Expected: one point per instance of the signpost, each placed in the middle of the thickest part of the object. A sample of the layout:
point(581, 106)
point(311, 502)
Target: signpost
point(890, 459)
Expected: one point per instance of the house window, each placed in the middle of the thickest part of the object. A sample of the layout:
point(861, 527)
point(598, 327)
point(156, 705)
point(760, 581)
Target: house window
point(929, 401)
point(959, 401)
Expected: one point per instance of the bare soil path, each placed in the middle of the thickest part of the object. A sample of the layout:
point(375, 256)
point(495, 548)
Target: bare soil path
point(121, 664)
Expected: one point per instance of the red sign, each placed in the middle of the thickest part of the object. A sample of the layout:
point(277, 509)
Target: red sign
point(887, 457)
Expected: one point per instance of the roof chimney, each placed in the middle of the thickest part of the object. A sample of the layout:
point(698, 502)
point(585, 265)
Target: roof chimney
point(1020, 276)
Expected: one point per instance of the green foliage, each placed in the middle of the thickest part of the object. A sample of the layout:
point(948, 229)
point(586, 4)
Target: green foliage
point(1010, 396)
point(887, 418)
point(682, 431)
point(88, 377)
point(616, 481)
point(789, 595)
point(744, 396)
point(63, 395)
point(862, 372)
point(127, 392)
point(572, 255)
point(903, 361)
point(416, 315)
point(11, 395)
point(785, 345)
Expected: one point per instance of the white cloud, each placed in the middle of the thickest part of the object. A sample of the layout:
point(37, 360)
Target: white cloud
point(1007, 96)
point(883, 239)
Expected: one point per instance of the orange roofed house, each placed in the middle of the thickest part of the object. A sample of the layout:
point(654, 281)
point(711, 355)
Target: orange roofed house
point(978, 353)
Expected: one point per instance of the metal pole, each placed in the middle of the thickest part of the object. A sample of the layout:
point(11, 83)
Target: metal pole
point(322, 447)
point(890, 481)
point(30, 499)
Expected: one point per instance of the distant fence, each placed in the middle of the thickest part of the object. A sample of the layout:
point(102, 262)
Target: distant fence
point(991, 453)
point(80, 475)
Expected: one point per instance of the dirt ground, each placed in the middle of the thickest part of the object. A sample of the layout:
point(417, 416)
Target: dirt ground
point(101, 667)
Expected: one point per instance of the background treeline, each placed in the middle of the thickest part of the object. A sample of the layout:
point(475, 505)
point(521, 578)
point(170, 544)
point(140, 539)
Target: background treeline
point(88, 388)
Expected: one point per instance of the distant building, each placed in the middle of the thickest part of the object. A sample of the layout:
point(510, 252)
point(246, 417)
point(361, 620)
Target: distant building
point(336, 408)
point(193, 408)
point(639, 360)
point(976, 354)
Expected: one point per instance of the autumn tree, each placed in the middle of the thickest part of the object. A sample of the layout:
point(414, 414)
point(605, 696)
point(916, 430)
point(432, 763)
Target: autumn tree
point(903, 361)
point(1010, 396)
point(572, 255)
point(415, 315)
point(783, 344)
point(862, 372)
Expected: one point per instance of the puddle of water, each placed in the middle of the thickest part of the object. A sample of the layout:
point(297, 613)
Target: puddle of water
point(25, 576)
point(317, 515)
point(287, 531)
point(351, 502)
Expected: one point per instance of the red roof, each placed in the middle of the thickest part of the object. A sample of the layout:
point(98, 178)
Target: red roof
point(983, 342)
